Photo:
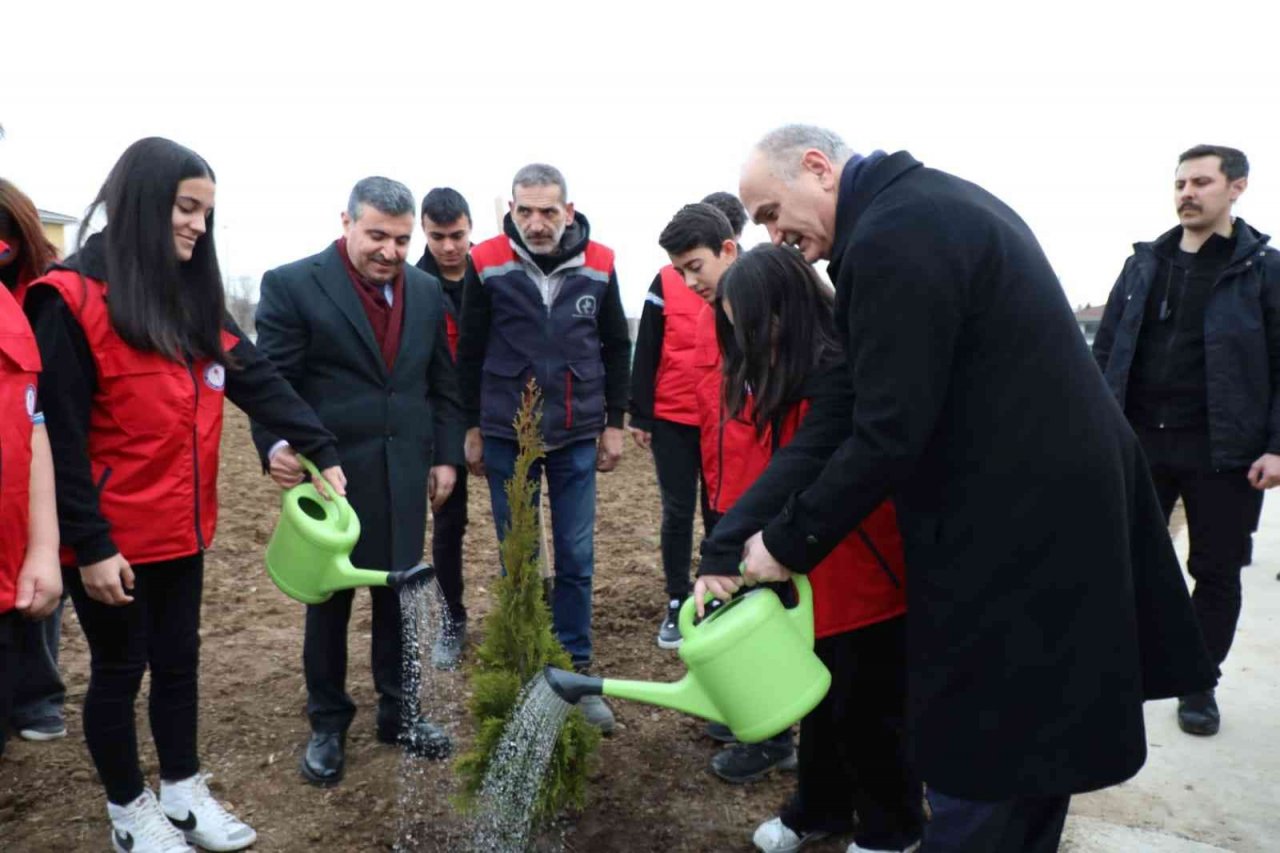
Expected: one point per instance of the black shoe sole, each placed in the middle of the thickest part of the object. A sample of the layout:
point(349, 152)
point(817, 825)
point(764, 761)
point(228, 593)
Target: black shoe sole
point(319, 781)
point(1200, 730)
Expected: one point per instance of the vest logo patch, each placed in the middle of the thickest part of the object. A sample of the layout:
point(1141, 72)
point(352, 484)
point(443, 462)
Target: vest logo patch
point(31, 401)
point(585, 307)
point(215, 376)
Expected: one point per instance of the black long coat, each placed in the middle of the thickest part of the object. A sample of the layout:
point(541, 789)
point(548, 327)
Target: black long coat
point(391, 427)
point(1045, 599)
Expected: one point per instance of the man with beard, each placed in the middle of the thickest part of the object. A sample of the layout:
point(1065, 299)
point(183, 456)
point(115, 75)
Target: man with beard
point(542, 301)
point(362, 338)
point(1190, 345)
point(1045, 601)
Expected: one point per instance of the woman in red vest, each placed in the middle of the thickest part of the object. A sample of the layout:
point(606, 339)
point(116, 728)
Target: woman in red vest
point(30, 582)
point(139, 354)
point(775, 327)
point(31, 692)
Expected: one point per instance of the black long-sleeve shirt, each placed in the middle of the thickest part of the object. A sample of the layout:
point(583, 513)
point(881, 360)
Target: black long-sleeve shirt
point(648, 354)
point(68, 383)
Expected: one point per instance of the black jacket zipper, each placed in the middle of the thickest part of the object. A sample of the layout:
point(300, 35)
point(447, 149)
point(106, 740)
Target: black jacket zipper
point(195, 451)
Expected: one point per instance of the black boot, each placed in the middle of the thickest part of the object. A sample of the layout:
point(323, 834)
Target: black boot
point(324, 759)
point(1198, 714)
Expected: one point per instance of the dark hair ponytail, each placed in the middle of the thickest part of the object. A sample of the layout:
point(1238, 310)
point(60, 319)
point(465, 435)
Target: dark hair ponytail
point(783, 330)
point(156, 302)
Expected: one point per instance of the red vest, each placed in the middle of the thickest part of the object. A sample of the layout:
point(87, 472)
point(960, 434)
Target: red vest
point(674, 384)
point(863, 580)
point(19, 368)
point(153, 435)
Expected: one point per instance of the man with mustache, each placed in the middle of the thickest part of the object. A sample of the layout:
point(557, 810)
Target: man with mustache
point(362, 337)
point(542, 301)
point(1190, 345)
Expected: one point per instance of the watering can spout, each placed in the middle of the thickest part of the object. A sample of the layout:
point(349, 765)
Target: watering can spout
point(419, 574)
point(572, 686)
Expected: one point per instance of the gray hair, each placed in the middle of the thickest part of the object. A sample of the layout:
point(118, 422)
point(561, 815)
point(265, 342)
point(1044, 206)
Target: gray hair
point(783, 147)
point(383, 194)
point(540, 175)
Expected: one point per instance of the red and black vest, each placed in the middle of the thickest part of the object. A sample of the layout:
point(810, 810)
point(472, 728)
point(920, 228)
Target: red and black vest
point(154, 430)
point(558, 345)
point(675, 382)
point(19, 370)
point(862, 581)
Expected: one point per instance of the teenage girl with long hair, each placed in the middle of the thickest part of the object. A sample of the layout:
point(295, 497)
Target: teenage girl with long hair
point(139, 354)
point(781, 358)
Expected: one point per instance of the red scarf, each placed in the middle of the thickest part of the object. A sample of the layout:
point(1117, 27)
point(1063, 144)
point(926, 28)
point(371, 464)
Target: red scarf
point(385, 320)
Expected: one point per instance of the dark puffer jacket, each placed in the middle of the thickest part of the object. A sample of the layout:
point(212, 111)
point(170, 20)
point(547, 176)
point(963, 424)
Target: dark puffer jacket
point(1241, 343)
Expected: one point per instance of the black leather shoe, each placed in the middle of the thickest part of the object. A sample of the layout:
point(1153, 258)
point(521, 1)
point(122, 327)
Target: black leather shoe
point(746, 762)
point(421, 739)
point(1198, 714)
point(325, 758)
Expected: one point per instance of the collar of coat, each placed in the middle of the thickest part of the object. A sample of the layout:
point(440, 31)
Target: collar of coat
point(1249, 241)
point(861, 181)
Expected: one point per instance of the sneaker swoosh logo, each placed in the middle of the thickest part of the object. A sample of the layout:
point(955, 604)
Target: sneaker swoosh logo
point(187, 824)
point(124, 840)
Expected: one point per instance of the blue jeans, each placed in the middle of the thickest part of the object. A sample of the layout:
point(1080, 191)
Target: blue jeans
point(571, 484)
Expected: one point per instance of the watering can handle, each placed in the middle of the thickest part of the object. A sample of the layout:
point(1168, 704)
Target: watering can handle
point(689, 611)
point(344, 507)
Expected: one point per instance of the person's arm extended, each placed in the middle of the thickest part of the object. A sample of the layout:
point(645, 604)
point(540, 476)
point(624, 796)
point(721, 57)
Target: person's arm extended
point(792, 468)
point(904, 317)
point(644, 364)
point(258, 388)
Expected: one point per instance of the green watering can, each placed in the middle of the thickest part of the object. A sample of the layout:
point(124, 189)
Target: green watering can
point(751, 666)
point(309, 555)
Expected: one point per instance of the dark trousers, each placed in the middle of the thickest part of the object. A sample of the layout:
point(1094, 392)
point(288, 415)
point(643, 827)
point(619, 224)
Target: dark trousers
point(449, 526)
point(852, 746)
point(1221, 509)
point(1022, 825)
point(38, 693)
point(677, 458)
point(324, 661)
point(10, 625)
point(159, 630)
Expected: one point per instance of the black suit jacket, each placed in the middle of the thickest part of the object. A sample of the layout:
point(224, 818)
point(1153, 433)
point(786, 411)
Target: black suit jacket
point(392, 426)
point(1044, 596)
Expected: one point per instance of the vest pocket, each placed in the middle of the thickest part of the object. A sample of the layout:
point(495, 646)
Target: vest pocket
point(500, 388)
point(584, 394)
point(144, 394)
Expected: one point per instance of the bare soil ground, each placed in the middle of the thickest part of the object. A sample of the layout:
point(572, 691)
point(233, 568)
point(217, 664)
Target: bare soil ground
point(651, 787)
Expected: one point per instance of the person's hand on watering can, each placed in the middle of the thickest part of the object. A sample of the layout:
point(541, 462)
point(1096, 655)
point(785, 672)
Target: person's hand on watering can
point(473, 450)
point(286, 469)
point(440, 483)
point(759, 566)
point(609, 451)
point(722, 587)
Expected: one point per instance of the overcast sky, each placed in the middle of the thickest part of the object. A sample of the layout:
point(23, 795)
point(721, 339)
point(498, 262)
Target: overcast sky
point(1073, 114)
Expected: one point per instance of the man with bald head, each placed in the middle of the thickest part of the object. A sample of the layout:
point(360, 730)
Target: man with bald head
point(1045, 601)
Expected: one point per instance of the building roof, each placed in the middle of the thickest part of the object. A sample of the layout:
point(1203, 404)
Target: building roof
point(1090, 312)
point(50, 218)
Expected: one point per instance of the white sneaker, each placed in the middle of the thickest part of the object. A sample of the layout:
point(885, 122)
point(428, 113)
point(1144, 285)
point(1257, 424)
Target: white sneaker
point(202, 819)
point(141, 827)
point(774, 836)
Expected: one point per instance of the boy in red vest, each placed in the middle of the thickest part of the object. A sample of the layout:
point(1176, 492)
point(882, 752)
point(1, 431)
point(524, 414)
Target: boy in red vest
point(664, 415)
